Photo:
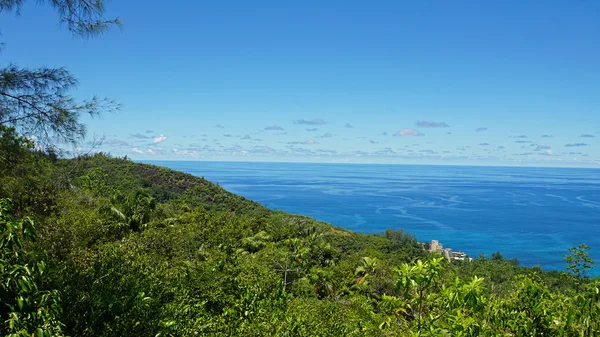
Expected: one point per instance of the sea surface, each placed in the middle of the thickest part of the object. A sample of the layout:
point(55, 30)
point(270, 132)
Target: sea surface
point(533, 214)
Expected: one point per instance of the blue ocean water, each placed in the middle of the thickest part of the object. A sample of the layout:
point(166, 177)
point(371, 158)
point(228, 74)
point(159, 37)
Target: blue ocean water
point(533, 214)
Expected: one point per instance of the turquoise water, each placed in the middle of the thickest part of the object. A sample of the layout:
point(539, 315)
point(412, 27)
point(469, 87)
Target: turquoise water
point(533, 214)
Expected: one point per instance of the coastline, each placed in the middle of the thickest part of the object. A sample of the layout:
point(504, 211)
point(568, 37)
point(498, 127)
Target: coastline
point(341, 196)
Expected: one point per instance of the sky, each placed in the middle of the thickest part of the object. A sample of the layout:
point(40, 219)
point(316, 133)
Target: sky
point(423, 82)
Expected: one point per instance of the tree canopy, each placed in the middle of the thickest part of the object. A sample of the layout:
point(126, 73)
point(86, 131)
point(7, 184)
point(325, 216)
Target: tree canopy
point(82, 17)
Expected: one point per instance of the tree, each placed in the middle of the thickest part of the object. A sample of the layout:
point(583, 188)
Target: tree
point(579, 262)
point(134, 211)
point(36, 101)
point(497, 257)
point(24, 309)
point(368, 267)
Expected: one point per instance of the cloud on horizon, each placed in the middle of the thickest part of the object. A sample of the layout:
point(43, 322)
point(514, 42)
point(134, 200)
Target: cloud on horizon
point(186, 153)
point(576, 145)
point(543, 148)
point(312, 129)
point(274, 128)
point(407, 132)
point(587, 135)
point(546, 136)
point(481, 129)
point(426, 124)
point(316, 121)
point(307, 142)
point(262, 150)
point(349, 126)
point(523, 154)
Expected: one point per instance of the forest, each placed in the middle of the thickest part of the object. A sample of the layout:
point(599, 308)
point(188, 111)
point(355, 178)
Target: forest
point(95, 245)
point(102, 246)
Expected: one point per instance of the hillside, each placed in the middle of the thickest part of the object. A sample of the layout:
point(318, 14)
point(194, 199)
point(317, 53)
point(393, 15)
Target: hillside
point(130, 249)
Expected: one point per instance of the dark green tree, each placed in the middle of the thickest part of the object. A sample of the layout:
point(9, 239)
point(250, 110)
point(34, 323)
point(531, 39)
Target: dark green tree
point(579, 262)
point(497, 257)
point(134, 211)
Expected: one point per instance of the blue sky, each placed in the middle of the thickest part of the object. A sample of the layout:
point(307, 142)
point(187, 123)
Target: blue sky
point(431, 82)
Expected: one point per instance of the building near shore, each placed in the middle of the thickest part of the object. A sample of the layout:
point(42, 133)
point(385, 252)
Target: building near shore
point(447, 253)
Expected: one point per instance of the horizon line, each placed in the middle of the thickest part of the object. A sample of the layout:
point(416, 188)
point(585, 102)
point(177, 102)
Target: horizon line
point(359, 163)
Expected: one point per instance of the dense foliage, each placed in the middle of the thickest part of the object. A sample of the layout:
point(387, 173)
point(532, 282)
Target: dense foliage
point(101, 246)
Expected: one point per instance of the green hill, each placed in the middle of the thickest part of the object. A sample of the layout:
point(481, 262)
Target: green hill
point(129, 249)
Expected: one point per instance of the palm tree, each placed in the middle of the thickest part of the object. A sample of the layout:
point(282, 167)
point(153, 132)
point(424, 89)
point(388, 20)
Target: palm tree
point(368, 267)
point(133, 211)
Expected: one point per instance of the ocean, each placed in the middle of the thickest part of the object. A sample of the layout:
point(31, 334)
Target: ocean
point(530, 213)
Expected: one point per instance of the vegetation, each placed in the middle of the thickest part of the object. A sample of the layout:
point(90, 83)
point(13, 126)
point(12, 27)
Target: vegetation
point(100, 246)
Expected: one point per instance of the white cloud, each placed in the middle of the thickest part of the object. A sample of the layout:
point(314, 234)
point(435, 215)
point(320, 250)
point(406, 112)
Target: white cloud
point(408, 133)
point(136, 150)
point(188, 153)
point(545, 149)
point(159, 139)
